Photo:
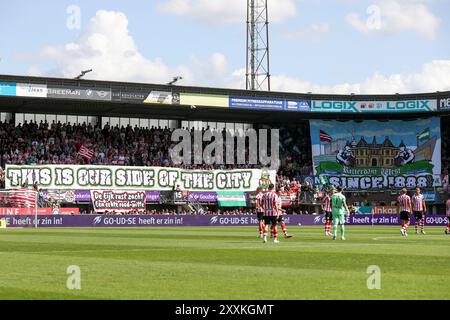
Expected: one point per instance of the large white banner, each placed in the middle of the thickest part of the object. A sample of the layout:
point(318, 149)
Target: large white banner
point(135, 178)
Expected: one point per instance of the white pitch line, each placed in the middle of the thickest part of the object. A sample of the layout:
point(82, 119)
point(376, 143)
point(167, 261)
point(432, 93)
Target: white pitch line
point(413, 237)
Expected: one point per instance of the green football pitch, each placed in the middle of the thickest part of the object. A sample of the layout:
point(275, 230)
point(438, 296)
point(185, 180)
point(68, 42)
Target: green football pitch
point(223, 263)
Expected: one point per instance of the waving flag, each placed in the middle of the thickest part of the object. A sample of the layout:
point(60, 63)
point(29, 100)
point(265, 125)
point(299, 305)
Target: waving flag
point(325, 137)
point(425, 135)
point(23, 198)
point(86, 153)
point(323, 180)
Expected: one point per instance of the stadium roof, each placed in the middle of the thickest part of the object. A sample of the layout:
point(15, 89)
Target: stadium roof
point(185, 111)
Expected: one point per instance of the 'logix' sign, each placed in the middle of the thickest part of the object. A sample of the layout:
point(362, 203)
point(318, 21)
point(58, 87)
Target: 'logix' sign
point(375, 106)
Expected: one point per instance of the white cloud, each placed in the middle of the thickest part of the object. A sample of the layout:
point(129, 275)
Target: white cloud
point(434, 76)
point(35, 71)
point(107, 47)
point(315, 32)
point(286, 83)
point(389, 17)
point(218, 12)
point(209, 71)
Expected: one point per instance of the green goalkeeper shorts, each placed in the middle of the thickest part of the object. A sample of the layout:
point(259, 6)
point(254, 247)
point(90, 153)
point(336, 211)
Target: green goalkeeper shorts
point(339, 217)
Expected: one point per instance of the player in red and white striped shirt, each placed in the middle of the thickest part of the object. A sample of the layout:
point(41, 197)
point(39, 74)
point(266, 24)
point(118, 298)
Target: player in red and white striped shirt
point(271, 213)
point(447, 231)
point(260, 211)
point(405, 209)
point(326, 207)
point(419, 209)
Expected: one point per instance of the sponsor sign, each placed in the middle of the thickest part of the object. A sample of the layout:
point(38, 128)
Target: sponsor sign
point(153, 196)
point(377, 155)
point(131, 96)
point(385, 210)
point(118, 201)
point(8, 89)
point(82, 93)
point(444, 104)
point(31, 90)
point(133, 178)
point(257, 103)
point(201, 220)
point(206, 100)
point(297, 105)
point(202, 197)
point(82, 195)
point(162, 97)
point(40, 211)
point(231, 199)
point(68, 196)
point(374, 106)
point(269, 104)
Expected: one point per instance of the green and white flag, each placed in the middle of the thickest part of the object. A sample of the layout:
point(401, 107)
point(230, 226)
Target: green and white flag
point(231, 199)
point(425, 135)
point(323, 180)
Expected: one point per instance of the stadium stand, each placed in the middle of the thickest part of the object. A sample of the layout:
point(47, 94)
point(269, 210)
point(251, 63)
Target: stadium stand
point(56, 143)
point(33, 143)
point(126, 124)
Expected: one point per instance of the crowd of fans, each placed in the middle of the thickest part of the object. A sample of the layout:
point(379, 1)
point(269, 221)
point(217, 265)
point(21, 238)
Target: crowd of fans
point(56, 143)
point(33, 143)
point(295, 151)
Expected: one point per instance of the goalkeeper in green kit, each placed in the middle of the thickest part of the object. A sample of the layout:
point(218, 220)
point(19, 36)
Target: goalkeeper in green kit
point(339, 207)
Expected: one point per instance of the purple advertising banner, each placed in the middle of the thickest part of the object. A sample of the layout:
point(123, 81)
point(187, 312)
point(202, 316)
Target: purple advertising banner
point(70, 196)
point(196, 220)
point(83, 195)
point(153, 196)
point(203, 196)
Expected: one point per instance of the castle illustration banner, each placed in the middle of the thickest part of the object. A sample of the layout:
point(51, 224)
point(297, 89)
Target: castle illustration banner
point(375, 154)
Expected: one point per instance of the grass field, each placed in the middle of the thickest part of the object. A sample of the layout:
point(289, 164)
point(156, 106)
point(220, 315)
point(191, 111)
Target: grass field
point(222, 263)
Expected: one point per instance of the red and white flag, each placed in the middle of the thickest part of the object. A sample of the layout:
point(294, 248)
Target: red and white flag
point(22, 198)
point(86, 153)
point(325, 136)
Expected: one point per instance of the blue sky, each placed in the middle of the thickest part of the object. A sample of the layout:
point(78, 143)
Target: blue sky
point(339, 46)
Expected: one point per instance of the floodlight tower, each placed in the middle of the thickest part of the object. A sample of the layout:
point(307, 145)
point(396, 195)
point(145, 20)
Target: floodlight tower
point(257, 69)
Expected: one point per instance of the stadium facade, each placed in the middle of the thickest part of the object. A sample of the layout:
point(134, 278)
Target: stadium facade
point(24, 99)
